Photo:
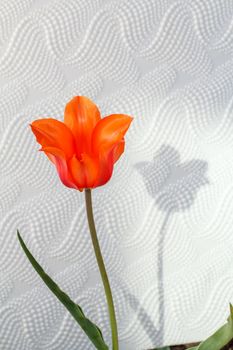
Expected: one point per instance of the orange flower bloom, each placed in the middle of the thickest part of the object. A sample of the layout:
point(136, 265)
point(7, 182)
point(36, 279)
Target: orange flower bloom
point(85, 147)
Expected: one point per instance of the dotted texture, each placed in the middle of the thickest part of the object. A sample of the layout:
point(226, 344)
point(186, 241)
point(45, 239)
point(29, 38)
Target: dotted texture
point(165, 219)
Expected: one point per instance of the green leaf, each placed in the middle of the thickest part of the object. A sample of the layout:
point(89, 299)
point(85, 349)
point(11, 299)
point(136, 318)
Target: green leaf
point(92, 331)
point(220, 338)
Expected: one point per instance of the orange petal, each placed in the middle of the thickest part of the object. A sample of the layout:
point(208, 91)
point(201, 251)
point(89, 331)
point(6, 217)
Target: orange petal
point(106, 162)
point(77, 170)
point(109, 132)
point(81, 116)
point(118, 150)
point(53, 133)
point(59, 159)
point(84, 171)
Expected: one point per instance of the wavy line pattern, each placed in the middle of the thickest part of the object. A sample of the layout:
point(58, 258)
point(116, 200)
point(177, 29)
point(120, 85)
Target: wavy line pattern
point(165, 218)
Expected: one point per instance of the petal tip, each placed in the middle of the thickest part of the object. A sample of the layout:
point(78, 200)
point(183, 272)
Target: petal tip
point(130, 119)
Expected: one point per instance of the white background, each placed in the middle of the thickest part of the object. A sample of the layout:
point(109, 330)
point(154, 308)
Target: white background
point(165, 220)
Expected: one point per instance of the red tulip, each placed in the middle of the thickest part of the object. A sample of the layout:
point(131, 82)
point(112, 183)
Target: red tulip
point(85, 147)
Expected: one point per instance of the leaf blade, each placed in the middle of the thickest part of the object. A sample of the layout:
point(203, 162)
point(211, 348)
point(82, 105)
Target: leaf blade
point(92, 331)
point(220, 338)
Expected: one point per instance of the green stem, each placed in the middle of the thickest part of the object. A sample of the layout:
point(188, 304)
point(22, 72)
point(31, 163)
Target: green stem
point(102, 269)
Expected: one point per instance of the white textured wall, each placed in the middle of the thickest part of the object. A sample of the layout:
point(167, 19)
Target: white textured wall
point(165, 220)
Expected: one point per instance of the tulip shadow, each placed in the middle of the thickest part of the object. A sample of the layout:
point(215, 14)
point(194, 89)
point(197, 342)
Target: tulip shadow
point(173, 185)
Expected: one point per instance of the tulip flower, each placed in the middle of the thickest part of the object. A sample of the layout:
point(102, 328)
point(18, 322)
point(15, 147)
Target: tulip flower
point(85, 147)
point(84, 150)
